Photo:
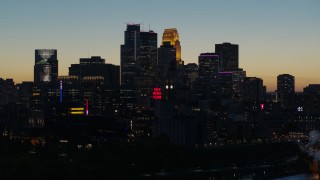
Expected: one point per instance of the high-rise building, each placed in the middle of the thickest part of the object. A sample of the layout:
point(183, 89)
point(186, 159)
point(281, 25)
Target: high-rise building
point(171, 35)
point(7, 91)
point(209, 64)
point(96, 66)
point(166, 61)
point(147, 62)
point(311, 95)
point(130, 52)
point(145, 78)
point(229, 56)
point(286, 89)
point(192, 71)
point(46, 66)
point(253, 90)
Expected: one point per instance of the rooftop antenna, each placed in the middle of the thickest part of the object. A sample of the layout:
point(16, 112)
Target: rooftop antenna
point(149, 26)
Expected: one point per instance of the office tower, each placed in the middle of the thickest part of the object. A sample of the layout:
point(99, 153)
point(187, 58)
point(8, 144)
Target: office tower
point(98, 83)
point(171, 35)
point(311, 96)
point(70, 91)
point(46, 66)
point(147, 62)
point(7, 91)
point(130, 52)
point(24, 93)
point(192, 71)
point(145, 78)
point(167, 67)
point(166, 61)
point(209, 65)
point(229, 56)
point(253, 90)
point(96, 66)
point(286, 89)
point(232, 84)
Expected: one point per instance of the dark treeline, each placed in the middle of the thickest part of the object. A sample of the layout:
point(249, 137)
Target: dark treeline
point(131, 160)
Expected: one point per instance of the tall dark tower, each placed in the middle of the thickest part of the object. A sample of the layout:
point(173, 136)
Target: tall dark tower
point(146, 65)
point(229, 56)
point(130, 52)
point(166, 61)
point(46, 66)
point(286, 89)
point(147, 62)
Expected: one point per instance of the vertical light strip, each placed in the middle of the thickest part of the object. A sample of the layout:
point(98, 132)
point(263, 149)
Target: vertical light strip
point(87, 107)
point(60, 91)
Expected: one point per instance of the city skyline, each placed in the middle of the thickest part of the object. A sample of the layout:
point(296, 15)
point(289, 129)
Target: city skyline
point(273, 37)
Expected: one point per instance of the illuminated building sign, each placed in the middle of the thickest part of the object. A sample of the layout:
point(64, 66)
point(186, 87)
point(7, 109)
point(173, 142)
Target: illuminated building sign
point(76, 111)
point(60, 91)
point(156, 94)
point(261, 106)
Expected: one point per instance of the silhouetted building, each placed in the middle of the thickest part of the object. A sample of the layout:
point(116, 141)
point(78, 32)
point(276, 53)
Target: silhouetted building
point(253, 90)
point(172, 36)
point(7, 91)
point(46, 66)
point(311, 96)
point(166, 61)
point(192, 71)
point(145, 78)
point(130, 53)
point(229, 56)
point(209, 65)
point(147, 63)
point(70, 90)
point(24, 93)
point(286, 89)
point(96, 66)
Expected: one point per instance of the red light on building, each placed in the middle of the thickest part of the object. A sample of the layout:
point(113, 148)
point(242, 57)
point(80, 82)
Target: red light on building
point(156, 94)
point(87, 107)
point(261, 106)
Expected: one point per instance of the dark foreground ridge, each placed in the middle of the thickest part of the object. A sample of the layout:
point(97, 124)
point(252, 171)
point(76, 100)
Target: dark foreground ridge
point(150, 159)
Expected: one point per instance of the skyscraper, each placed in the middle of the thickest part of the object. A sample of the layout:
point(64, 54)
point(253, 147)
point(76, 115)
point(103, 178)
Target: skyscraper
point(229, 56)
point(147, 62)
point(144, 81)
point(130, 52)
point(166, 61)
point(209, 64)
point(286, 89)
point(46, 66)
point(253, 90)
point(171, 35)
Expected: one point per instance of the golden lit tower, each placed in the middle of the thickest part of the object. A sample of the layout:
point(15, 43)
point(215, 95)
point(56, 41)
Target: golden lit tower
point(171, 35)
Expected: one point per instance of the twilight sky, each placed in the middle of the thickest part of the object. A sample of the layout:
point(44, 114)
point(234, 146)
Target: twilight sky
point(274, 36)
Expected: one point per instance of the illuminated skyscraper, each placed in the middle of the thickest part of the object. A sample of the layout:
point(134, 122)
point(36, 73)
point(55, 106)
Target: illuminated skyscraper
point(46, 66)
point(229, 56)
point(172, 36)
